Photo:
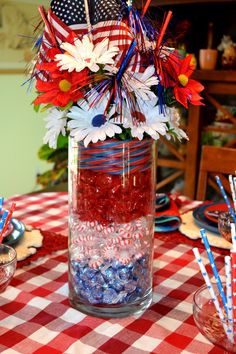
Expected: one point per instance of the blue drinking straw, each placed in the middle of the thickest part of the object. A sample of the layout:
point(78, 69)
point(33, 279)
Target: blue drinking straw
point(226, 198)
point(1, 204)
point(211, 290)
point(214, 269)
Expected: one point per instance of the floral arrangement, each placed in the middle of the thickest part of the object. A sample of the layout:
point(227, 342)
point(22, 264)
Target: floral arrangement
point(107, 79)
point(110, 79)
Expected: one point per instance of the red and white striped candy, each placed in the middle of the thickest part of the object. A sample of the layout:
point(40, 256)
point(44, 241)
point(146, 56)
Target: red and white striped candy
point(140, 224)
point(124, 233)
point(125, 242)
point(91, 224)
point(146, 243)
point(84, 238)
point(123, 257)
point(115, 240)
point(91, 252)
point(128, 227)
point(137, 235)
point(109, 252)
point(99, 227)
point(139, 255)
point(81, 227)
point(75, 249)
point(124, 260)
point(80, 257)
point(108, 230)
point(95, 263)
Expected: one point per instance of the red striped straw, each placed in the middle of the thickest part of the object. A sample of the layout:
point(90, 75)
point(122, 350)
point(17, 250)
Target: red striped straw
point(47, 25)
point(145, 8)
point(7, 221)
point(163, 30)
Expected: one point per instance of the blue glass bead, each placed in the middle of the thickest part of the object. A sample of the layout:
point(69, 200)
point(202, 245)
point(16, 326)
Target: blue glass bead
point(109, 274)
point(143, 261)
point(143, 283)
point(79, 283)
point(117, 285)
point(137, 271)
point(124, 273)
point(139, 291)
point(109, 296)
point(97, 279)
point(75, 265)
point(88, 273)
point(97, 293)
point(121, 298)
point(130, 286)
point(84, 294)
point(92, 300)
point(116, 264)
point(130, 266)
point(132, 297)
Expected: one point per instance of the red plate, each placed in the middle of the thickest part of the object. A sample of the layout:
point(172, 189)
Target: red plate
point(212, 212)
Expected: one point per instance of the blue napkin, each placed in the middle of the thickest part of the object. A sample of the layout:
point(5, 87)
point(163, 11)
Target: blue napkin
point(167, 214)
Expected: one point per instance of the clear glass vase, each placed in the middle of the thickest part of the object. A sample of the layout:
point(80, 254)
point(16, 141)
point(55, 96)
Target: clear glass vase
point(111, 223)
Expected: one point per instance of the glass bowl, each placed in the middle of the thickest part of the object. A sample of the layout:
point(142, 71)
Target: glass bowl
point(224, 221)
point(208, 321)
point(7, 265)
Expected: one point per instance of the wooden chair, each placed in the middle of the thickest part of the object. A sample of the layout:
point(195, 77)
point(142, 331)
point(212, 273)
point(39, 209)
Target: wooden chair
point(219, 161)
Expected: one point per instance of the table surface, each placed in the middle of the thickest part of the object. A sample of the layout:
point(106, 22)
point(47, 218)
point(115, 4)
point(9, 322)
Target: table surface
point(35, 315)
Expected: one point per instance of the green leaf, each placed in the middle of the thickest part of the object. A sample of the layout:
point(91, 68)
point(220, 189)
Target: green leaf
point(62, 142)
point(68, 106)
point(36, 107)
point(45, 152)
point(45, 108)
point(125, 135)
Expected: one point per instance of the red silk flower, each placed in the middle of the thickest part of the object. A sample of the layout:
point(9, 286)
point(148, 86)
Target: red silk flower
point(62, 86)
point(177, 75)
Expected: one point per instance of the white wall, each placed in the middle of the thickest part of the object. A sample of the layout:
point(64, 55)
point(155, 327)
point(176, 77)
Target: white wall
point(21, 135)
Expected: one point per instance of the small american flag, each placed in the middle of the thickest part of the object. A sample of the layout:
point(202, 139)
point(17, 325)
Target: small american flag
point(66, 16)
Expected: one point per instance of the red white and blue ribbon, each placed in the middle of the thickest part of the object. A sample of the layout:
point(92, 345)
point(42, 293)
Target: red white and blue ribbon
point(116, 157)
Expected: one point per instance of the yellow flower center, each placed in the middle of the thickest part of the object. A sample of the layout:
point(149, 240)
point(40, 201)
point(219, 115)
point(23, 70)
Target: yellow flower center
point(183, 79)
point(64, 85)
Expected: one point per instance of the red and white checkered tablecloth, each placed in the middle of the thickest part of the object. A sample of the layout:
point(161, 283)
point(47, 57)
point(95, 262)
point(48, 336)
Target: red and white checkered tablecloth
point(35, 316)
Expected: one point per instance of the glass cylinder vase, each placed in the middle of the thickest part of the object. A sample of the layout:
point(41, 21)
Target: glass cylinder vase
point(111, 226)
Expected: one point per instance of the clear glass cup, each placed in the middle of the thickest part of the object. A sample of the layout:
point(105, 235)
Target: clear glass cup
point(224, 221)
point(208, 321)
point(7, 265)
point(111, 222)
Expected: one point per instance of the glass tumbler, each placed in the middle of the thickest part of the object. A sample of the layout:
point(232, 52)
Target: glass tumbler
point(7, 265)
point(224, 221)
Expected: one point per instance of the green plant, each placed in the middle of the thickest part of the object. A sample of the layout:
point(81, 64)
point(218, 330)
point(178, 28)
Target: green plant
point(59, 157)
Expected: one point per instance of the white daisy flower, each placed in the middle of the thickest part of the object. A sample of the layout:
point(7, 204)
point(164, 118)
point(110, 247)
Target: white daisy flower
point(84, 54)
point(91, 124)
point(150, 121)
point(56, 124)
point(174, 122)
point(141, 83)
point(138, 83)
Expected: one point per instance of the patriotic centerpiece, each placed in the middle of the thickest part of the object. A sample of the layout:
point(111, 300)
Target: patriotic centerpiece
point(109, 81)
